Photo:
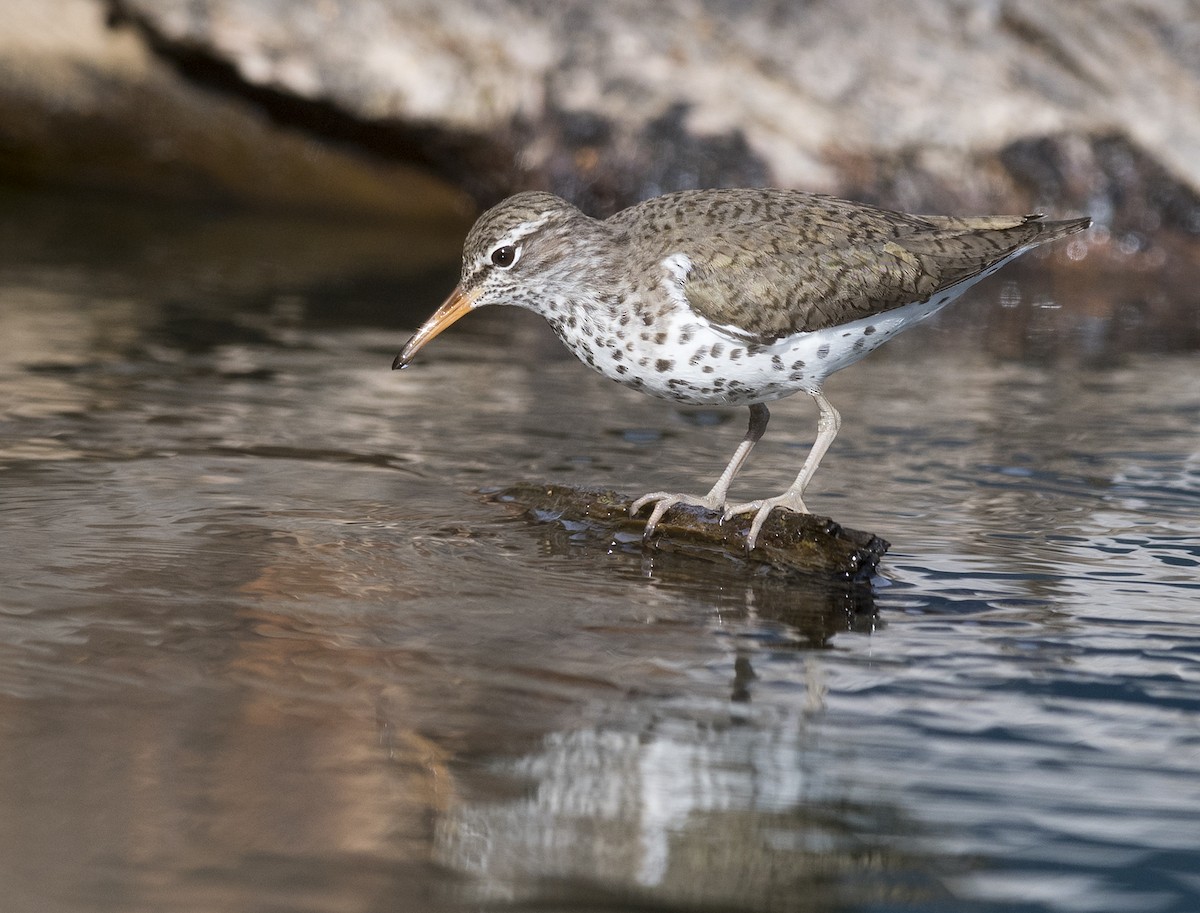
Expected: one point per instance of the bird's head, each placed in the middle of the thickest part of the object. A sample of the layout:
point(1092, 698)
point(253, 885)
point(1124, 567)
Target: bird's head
point(513, 255)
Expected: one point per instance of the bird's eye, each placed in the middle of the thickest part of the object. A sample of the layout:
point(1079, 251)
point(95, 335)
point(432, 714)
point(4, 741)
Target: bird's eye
point(504, 257)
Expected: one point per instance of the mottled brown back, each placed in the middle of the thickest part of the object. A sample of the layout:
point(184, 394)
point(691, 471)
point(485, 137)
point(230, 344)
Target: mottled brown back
point(815, 261)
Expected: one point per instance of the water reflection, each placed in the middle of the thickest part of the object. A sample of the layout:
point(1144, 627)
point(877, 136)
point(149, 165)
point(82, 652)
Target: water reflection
point(263, 645)
point(697, 806)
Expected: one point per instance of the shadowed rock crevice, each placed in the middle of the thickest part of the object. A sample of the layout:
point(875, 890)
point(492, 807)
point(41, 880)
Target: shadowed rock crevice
point(475, 162)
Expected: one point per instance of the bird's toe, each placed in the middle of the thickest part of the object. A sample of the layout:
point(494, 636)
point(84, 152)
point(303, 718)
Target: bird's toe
point(641, 502)
point(664, 501)
point(761, 509)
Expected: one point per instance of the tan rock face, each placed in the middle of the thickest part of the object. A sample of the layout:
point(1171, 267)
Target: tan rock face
point(625, 99)
point(936, 105)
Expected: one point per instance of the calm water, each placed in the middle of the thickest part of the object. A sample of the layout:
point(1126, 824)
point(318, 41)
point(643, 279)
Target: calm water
point(264, 648)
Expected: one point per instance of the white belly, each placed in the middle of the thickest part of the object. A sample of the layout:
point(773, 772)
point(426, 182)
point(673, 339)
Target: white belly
point(687, 359)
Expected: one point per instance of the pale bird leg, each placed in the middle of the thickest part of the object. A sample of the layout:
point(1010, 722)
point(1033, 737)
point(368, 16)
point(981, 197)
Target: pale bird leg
point(715, 499)
point(793, 499)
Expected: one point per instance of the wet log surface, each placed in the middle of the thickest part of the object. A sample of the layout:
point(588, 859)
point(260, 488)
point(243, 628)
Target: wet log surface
point(790, 545)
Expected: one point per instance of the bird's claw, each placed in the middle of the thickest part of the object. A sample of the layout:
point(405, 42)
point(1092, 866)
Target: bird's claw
point(666, 500)
point(789, 500)
point(762, 508)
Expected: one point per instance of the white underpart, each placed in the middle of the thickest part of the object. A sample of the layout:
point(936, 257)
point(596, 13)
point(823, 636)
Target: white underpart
point(678, 266)
point(768, 372)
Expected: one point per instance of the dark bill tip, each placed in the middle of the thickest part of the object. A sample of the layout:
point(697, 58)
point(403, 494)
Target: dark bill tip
point(457, 305)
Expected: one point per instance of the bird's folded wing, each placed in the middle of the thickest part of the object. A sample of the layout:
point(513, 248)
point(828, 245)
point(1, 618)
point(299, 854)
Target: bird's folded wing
point(765, 293)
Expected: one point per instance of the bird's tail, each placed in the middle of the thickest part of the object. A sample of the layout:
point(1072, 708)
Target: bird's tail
point(1052, 231)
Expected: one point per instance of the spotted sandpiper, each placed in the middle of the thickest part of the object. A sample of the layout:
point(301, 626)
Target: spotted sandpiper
point(728, 297)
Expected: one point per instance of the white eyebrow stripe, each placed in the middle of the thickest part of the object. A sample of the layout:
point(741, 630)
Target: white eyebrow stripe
point(522, 230)
point(512, 237)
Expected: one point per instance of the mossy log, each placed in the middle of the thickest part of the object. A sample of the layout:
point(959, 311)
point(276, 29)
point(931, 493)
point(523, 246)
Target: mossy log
point(790, 543)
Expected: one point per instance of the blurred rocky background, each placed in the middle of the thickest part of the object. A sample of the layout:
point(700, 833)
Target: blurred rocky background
point(390, 108)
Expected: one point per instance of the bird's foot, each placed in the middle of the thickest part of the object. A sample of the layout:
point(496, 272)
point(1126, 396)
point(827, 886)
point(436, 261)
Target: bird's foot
point(789, 500)
point(666, 501)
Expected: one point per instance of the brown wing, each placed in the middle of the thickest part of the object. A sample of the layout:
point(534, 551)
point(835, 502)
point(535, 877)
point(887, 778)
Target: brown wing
point(768, 263)
point(772, 288)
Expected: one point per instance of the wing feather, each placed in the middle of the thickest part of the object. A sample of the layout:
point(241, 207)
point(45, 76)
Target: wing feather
point(774, 263)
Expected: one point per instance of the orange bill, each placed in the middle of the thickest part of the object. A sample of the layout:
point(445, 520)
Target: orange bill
point(458, 305)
